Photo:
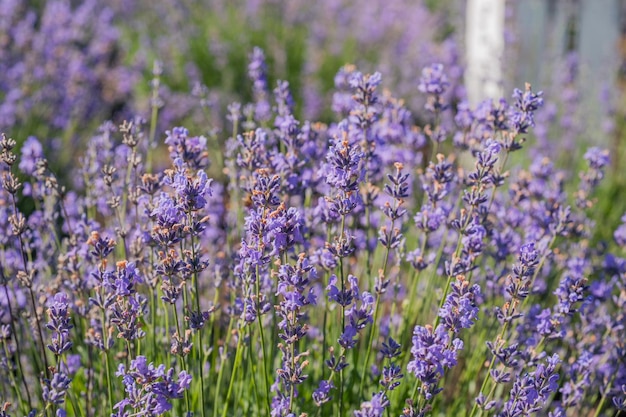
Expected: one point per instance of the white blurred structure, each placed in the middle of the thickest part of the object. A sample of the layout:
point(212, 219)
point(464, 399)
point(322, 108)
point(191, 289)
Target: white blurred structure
point(485, 48)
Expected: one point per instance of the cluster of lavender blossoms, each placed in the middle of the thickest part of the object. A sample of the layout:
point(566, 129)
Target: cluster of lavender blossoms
point(368, 266)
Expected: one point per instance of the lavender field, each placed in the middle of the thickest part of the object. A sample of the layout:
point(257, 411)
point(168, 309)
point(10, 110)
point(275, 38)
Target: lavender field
point(305, 209)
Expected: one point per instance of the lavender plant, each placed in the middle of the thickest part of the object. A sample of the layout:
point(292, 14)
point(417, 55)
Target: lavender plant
point(294, 283)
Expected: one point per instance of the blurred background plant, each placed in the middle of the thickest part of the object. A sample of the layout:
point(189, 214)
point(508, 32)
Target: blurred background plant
point(65, 66)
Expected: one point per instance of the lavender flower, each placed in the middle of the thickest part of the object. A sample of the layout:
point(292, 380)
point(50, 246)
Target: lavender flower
point(54, 390)
point(531, 391)
point(191, 150)
point(149, 389)
point(432, 352)
point(344, 169)
point(358, 308)
point(521, 116)
point(32, 152)
point(597, 159)
point(321, 394)
point(192, 192)
point(59, 324)
point(434, 83)
point(460, 309)
point(257, 71)
point(375, 407)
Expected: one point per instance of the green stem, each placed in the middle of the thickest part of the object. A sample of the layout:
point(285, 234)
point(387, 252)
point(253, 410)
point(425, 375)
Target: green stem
point(12, 377)
point(264, 359)
point(108, 376)
point(183, 362)
point(370, 342)
point(603, 399)
point(14, 333)
point(220, 373)
point(197, 296)
point(236, 366)
point(343, 314)
point(153, 123)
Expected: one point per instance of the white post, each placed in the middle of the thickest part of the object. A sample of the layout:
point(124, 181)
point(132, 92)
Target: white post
point(485, 47)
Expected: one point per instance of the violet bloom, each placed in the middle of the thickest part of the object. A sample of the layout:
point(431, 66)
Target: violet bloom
point(102, 246)
point(520, 280)
point(321, 395)
point(149, 389)
point(597, 160)
point(125, 305)
point(284, 101)
point(344, 170)
point(374, 407)
point(192, 150)
point(60, 324)
point(620, 400)
point(390, 235)
point(570, 293)
point(521, 114)
point(392, 373)
point(391, 376)
point(432, 352)
point(257, 71)
point(434, 82)
point(486, 159)
point(251, 148)
point(262, 226)
point(168, 218)
point(573, 389)
point(191, 191)
point(358, 308)
point(460, 309)
point(55, 389)
point(342, 99)
point(234, 113)
point(294, 294)
point(436, 181)
point(32, 152)
point(531, 391)
point(620, 233)
point(364, 114)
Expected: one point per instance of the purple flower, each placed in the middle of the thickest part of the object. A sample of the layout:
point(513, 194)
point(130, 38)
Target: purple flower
point(521, 114)
point(597, 158)
point(191, 150)
point(620, 233)
point(620, 400)
point(257, 71)
point(284, 100)
point(60, 324)
point(391, 376)
point(375, 407)
point(437, 178)
point(32, 152)
point(522, 273)
point(433, 80)
point(149, 389)
point(55, 389)
point(344, 170)
point(531, 390)
point(573, 389)
point(102, 246)
point(432, 352)
point(365, 112)
point(121, 300)
point(460, 309)
point(321, 394)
